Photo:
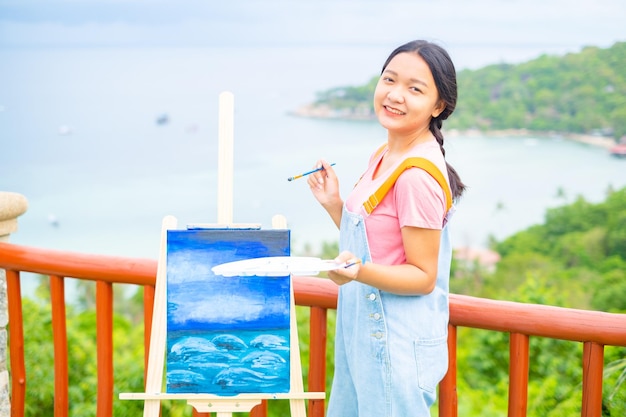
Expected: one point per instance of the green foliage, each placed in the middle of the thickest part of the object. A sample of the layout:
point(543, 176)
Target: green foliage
point(584, 242)
point(355, 97)
point(40, 359)
point(615, 379)
point(39, 354)
point(609, 293)
point(581, 92)
point(576, 259)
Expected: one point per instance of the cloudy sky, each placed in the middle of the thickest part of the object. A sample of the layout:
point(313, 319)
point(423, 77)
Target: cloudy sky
point(196, 295)
point(510, 28)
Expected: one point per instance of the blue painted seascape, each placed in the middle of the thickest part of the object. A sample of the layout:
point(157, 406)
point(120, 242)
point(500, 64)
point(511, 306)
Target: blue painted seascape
point(226, 335)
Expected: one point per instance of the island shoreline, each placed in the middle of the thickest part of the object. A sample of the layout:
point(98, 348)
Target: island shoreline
point(326, 113)
point(588, 139)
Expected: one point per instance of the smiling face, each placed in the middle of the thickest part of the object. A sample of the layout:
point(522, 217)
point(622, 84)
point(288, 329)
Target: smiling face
point(406, 97)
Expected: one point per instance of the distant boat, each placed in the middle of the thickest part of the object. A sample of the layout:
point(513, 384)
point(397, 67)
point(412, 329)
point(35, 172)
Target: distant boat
point(65, 130)
point(619, 150)
point(52, 219)
point(162, 119)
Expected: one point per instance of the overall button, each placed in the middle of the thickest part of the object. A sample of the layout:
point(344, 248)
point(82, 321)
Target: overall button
point(372, 296)
point(376, 316)
point(356, 221)
point(378, 335)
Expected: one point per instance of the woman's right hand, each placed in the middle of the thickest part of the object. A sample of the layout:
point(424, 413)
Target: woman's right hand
point(325, 185)
point(325, 188)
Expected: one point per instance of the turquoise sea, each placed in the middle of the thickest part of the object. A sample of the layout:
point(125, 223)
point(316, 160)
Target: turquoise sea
point(81, 138)
point(222, 363)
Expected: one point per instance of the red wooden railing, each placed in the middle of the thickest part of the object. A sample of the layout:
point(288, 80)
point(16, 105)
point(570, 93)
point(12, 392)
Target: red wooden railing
point(522, 321)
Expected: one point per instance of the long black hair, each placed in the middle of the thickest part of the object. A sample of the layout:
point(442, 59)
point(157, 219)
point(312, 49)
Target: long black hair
point(444, 74)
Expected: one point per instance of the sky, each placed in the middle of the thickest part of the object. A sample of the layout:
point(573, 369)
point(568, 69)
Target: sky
point(512, 30)
point(196, 295)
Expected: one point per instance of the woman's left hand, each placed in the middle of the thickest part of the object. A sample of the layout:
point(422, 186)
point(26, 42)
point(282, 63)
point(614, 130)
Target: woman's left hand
point(347, 273)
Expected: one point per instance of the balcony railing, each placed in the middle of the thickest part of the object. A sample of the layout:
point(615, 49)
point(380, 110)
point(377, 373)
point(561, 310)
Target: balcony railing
point(594, 330)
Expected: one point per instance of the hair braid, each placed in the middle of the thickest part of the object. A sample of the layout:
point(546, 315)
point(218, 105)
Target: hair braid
point(456, 185)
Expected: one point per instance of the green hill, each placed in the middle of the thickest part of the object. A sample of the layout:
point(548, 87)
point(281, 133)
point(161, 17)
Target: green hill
point(582, 93)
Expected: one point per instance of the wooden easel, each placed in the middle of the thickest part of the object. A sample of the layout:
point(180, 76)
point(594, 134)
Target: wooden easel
point(222, 406)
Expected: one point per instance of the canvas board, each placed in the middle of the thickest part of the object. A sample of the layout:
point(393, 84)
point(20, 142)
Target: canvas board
point(226, 335)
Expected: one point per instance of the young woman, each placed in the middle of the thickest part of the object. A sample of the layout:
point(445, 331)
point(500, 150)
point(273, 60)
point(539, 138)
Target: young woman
point(392, 316)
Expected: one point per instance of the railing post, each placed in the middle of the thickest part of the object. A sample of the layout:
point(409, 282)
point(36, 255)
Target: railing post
point(12, 205)
point(448, 397)
point(519, 362)
point(593, 365)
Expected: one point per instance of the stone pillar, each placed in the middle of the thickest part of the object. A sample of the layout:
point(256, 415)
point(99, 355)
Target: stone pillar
point(12, 205)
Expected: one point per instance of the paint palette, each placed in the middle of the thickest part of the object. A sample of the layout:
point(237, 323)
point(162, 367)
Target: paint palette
point(276, 266)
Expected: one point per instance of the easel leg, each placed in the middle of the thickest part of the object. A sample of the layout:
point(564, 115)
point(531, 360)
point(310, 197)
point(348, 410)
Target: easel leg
point(297, 407)
point(154, 375)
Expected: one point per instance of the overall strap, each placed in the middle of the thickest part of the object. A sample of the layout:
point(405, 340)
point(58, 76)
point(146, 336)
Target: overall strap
point(415, 162)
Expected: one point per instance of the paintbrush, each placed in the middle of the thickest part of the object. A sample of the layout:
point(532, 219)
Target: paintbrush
point(307, 173)
point(352, 263)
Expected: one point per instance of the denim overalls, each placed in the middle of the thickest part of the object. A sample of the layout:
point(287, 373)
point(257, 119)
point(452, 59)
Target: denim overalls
point(390, 350)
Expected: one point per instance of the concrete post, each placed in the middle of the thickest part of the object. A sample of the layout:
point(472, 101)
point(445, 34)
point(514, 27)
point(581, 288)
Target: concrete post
point(12, 205)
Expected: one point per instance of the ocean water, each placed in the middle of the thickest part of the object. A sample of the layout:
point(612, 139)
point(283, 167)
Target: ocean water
point(224, 363)
point(79, 138)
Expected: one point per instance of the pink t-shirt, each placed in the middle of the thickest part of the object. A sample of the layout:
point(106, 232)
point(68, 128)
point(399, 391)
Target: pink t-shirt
point(415, 200)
